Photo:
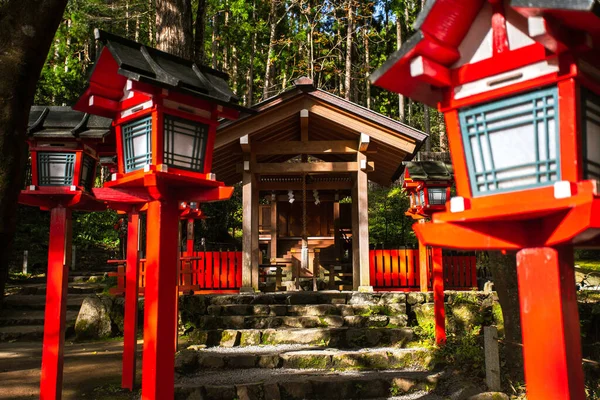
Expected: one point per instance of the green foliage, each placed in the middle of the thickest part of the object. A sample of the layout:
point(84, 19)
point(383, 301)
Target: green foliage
point(464, 352)
point(388, 225)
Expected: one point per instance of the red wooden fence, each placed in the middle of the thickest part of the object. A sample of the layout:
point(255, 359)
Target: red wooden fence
point(399, 270)
point(211, 271)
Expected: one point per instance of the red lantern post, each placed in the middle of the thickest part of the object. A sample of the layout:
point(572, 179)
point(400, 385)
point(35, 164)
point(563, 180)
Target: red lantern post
point(427, 184)
point(165, 111)
point(63, 169)
point(519, 88)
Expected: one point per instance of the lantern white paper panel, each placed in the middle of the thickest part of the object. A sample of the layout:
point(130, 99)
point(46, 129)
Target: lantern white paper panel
point(437, 196)
point(184, 143)
point(55, 169)
point(137, 144)
point(512, 143)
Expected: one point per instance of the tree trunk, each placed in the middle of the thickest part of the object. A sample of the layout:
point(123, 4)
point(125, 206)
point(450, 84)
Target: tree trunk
point(27, 28)
point(443, 138)
point(339, 60)
point(367, 69)
point(200, 26)
point(151, 22)
point(426, 127)
point(174, 27)
point(214, 47)
point(225, 39)
point(504, 274)
point(348, 83)
point(250, 80)
point(401, 113)
point(271, 52)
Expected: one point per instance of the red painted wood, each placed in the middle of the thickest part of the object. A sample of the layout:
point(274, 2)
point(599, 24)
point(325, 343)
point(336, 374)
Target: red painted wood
point(380, 269)
point(410, 267)
point(438, 296)
point(372, 268)
point(224, 273)
point(130, 319)
point(549, 304)
point(208, 271)
point(56, 304)
point(216, 272)
point(456, 278)
point(462, 271)
point(238, 266)
point(386, 259)
point(231, 270)
point(473, 261)
point(395, 270)
point(403, 268)
point(160, 305)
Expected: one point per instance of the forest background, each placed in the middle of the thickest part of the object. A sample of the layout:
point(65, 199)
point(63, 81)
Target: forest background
point(264, 45)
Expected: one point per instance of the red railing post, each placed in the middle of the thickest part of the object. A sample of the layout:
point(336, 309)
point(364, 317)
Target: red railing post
point(130, 318)
point(59, 248)
point(438, 296)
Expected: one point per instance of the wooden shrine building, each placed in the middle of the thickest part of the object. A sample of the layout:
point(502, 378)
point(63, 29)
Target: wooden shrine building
point(308, 142)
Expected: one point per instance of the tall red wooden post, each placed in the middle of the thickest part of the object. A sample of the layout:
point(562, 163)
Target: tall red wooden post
point(550, 324)
point(190, 237)
point(131, 301)
point(423, 265)
point(59, 255)
point(160, 304)
point(438, 296)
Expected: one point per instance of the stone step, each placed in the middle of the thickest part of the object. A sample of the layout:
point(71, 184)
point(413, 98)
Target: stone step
point(317, 310)
point(73, 289)
point(38, 302)
point(325, 337)
point(29, 317)
point(304, 298)
point(326, 321)
point(192, 360)
point(27, 333)
point(255, 384)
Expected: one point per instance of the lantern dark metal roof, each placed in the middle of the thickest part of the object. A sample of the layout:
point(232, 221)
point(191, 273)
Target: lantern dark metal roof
point(149, 65)
point(429, 170)
point(65, 123)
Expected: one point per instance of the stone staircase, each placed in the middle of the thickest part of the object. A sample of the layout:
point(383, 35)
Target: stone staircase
point(324, 345)
point(22, 315)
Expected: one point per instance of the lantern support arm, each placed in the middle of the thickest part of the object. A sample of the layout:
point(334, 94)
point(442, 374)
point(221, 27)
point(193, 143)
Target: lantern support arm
point(430, 72)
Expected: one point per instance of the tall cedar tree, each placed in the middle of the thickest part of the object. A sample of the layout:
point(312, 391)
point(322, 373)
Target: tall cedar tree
point(26, 31)
point(174, 27)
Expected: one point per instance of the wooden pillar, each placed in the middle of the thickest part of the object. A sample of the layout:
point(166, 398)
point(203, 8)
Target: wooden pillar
point(59, 258)
point(438, 296)
point(162, 249)
point(130, 320)
point(255, 210)
point(190, 237)
point(274, 220)
point(550, 324)
point(336, 230)
point(360, 226)
point(248, 183)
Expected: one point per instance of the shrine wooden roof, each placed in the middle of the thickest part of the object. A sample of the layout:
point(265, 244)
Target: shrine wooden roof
point(429, 170)
point(53, 122)
point(330, 118)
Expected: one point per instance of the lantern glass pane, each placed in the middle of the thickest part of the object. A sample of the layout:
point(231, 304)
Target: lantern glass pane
point(88, 172)
point(55, 169)
point(184, 143)
point(512, 144)
point(137, 144)
point(422, 197)
point(590, 104)
point(437, 196)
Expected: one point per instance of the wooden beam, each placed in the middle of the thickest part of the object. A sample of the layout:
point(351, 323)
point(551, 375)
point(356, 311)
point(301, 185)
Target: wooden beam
point(103, 103)
point(248, 183)
point(304, 125)
point(274, 218)
point(299, 147)
point(324, 198)
point(430, 72)
point(382, 135)
point(342, 185)
point(307, 168)
point(362, 224)
point(363, 142)
point(245, 143)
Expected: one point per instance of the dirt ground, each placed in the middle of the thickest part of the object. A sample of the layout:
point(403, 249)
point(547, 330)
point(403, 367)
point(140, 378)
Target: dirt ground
point(92, 371)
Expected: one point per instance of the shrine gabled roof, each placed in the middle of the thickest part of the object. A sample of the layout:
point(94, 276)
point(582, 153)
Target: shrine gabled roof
point(443, 25)
point(277, 120)
point(429, 170)
point(53, 122)
point(122, 59)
